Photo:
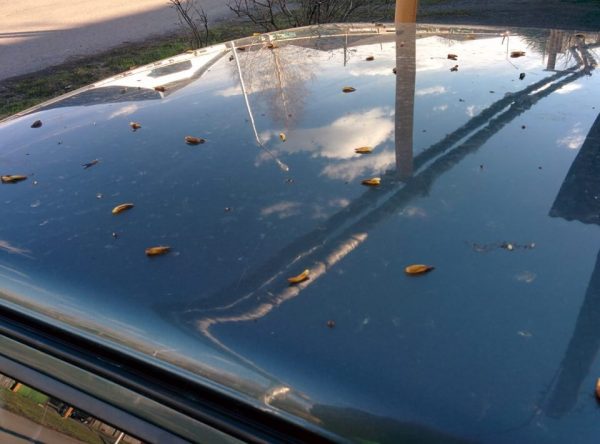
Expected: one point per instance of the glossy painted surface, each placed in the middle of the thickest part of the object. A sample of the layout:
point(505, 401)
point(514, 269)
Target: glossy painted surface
point(497, 344)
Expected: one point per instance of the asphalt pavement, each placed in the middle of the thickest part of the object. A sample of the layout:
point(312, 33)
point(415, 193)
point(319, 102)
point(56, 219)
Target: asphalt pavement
point(15, 429)
point(35, 34)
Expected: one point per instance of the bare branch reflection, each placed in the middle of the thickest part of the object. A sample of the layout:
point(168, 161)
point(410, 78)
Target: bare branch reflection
point(275, 78)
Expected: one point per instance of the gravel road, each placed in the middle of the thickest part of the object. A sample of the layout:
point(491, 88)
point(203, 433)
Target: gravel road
point(35, 34)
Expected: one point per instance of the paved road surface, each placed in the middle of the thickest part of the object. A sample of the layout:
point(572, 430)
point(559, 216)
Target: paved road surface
point(19, 430)
point(35, 34)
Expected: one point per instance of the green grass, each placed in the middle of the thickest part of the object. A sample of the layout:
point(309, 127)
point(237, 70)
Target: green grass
point(34, 395)
point(20, 93)
point(23, 405)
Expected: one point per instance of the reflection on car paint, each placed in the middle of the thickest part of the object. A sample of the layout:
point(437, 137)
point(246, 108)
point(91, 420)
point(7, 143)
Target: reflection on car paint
point(444, 147)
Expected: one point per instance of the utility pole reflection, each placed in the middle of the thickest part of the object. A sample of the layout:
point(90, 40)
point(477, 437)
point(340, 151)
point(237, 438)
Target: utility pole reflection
point(405, 98)
point(406, 31)
point(554, 43)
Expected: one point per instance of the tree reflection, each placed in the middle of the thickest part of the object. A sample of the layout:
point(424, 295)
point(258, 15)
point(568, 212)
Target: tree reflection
point(276, 79)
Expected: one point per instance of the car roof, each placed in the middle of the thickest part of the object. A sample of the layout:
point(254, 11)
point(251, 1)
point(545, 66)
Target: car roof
point(485, 143)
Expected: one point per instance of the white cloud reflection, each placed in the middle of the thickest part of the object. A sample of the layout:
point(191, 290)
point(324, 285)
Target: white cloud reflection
point(339, 203)
point(474, 55)
point(574, 139)
point(350, 170)
point(371, 71)
point(569, 88)
point(124, 111)
point(11, 249)
point(338, 139)
point(382, 52)
point(473, 110)
point(229, 92)
point(432, 90)
point(283, 210)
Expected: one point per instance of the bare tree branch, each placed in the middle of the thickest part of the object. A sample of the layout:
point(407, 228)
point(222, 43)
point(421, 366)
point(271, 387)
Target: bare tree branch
point(279, 14)
point(193, 17)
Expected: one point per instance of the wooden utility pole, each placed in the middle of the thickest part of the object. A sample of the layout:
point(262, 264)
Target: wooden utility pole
point(406, 11)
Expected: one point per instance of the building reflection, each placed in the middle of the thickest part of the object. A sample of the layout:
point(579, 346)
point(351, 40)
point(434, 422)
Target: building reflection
point(579, 200)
